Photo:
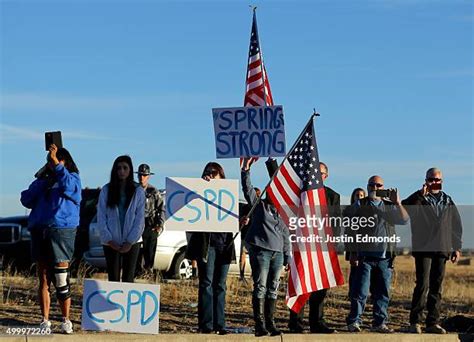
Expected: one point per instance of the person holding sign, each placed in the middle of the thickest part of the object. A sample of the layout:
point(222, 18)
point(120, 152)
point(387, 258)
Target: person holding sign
point(214, 253)
point(121, 220)
point(54, 199)
point(269, 250)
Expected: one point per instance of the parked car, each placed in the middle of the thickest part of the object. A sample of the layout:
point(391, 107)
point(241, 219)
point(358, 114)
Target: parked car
point(169, 255)
point(15, 238)
point(15, 242)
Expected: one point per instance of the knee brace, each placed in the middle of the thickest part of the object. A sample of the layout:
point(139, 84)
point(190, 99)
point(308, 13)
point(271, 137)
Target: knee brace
point(61, 282)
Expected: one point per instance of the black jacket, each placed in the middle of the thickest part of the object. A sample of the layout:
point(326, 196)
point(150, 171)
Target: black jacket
point(334, 207)
point(430, 233)
point(198, 247)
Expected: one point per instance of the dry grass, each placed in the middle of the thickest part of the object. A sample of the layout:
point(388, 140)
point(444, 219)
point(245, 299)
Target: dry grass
point(179, 299)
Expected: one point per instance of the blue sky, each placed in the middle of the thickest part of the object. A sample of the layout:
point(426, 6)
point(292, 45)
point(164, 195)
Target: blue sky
point(392, 80)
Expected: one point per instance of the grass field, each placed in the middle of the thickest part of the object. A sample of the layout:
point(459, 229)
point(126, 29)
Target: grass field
point(179, 300)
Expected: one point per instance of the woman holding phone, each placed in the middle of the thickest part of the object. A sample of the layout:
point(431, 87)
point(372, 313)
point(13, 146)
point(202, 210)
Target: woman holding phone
point(54, 199)
point(121, 220)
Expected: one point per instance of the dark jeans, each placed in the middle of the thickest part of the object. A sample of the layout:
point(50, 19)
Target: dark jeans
point(316, 312)
point(148, 250)
point(212, 288)
point(379, 272)
point(125, 262)
point(429, 279)
point(266, 268)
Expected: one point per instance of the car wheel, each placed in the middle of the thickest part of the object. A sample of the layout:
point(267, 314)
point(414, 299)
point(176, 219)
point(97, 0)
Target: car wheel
point(181, 268)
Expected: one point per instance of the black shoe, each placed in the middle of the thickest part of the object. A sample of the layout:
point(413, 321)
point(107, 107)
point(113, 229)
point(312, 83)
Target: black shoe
point(270, 306)
point(296, 331)
point(222, 332)
point(322, 328)
point(258, 316)
point(204, 331)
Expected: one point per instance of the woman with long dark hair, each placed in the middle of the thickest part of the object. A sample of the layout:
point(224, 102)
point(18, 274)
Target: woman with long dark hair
point(54, 199)
point(121, 220)
point(357, 194)
point(214, 253)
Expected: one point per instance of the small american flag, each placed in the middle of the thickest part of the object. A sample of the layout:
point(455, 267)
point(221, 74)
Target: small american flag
point(257, 90)
point(297, 191)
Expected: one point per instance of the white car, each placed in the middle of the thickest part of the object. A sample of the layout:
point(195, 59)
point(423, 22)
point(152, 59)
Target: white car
point(169, 256)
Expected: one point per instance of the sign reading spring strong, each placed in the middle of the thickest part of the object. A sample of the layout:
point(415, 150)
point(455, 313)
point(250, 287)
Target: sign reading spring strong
point(196, 205)
point(124, 307)
point(249, 132)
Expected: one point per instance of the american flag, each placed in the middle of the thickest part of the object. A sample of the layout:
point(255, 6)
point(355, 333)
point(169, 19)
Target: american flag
point(297, 190)
point(256, 94)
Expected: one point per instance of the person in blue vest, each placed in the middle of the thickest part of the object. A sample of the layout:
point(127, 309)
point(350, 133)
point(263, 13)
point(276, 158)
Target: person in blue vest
point(54, 198)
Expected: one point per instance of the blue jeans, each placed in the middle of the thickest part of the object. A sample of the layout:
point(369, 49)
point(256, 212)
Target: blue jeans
point(212, 288)
point(381, 270)
point(266, 268)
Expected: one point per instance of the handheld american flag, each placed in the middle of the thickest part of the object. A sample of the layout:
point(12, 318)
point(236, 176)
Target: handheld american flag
point(297, 191)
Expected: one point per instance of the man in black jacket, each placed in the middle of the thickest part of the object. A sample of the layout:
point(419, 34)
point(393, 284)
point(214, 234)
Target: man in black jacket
point(317, 323)
point(436, 237)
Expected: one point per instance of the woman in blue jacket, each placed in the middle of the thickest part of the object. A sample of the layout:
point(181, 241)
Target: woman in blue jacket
point(54, 199)
point(121, 220)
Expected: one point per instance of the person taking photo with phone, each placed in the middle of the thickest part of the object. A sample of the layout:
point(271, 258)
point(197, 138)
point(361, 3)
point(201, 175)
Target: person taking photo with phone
point(373, 260)
point(436, 237)
point(54, 199)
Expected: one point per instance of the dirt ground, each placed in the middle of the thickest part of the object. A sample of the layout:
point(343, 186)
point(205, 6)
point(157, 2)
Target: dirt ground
point(179, 300)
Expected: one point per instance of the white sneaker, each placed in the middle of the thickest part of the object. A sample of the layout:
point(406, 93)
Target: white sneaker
point(66, 326)
point(382, 328)
point(45, 324)
point(354, 327)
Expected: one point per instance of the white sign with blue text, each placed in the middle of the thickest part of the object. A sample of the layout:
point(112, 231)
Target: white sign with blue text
point(124, 307)
point(249, 132)
point(197, 205)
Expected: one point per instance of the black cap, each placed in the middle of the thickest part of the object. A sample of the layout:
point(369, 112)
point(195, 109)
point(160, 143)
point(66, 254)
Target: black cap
point(144, 169)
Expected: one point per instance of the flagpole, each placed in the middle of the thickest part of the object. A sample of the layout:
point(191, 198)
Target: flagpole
point(252, 209)
point(261, 57)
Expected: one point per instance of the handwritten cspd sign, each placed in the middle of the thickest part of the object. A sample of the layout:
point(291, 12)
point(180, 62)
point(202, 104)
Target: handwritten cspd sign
point(249, 132)
point(124, 307)
point(196, 205)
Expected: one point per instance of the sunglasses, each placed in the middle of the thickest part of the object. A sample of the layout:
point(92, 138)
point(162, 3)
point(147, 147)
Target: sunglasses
point(431, 179)
point(378, 185)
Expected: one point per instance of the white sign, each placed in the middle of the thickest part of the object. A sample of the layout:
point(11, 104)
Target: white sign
point(249, 132)
point(196, 205)
point(124, 307)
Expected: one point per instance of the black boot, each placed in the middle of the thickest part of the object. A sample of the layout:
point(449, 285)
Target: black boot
point(270, 306)
point(258, 310)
